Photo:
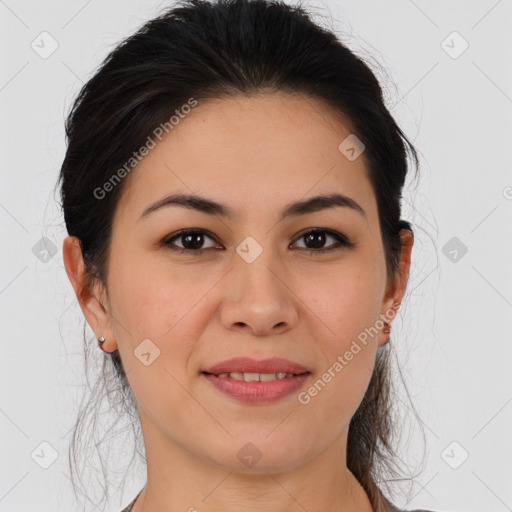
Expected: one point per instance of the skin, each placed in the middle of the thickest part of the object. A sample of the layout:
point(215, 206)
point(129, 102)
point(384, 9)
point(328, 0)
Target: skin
point(198, 310)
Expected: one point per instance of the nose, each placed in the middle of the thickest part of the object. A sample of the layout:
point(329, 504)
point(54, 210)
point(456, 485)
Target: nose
point(257, 298)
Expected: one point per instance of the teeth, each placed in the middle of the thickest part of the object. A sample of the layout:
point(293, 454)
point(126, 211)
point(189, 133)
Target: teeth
point(255, 377)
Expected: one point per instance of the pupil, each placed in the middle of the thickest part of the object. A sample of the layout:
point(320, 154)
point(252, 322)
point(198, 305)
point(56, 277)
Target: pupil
point(319, 236)
point(195, 244)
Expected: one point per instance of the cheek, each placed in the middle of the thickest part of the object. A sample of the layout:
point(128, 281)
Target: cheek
point(342, 379)
point(149, 297)
point(347, 299)
point(346, 304)
point(150, 303)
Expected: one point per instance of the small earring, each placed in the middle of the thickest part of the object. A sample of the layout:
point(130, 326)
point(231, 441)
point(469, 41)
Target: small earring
point(100, 343)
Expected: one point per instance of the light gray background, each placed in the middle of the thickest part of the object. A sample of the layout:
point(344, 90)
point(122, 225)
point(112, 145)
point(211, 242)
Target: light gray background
point(453, 337)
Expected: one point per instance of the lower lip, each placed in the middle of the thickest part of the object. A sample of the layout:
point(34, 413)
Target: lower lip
point(257, 392)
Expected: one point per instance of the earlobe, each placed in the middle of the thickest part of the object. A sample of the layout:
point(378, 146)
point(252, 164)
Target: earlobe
point(88, 295)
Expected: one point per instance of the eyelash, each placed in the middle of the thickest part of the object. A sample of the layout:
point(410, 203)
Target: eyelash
point(341, 239)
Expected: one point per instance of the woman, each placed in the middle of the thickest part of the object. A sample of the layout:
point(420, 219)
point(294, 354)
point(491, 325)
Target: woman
point(231, 190)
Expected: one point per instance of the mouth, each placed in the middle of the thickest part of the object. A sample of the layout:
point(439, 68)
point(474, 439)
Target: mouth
point(255, 377)
point(257, 381)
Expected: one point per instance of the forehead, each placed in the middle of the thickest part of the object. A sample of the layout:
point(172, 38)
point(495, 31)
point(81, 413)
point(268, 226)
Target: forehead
point(249, 151)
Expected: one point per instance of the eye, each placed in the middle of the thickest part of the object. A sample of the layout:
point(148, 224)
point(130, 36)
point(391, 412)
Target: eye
point(318, 236)
point(193, 239)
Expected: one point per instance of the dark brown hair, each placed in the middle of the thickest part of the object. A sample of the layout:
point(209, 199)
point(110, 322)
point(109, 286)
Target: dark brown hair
point(202, 50)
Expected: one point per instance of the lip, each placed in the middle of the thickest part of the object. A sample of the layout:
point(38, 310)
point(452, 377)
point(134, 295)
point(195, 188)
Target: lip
point(248, 365)
point(257, 392)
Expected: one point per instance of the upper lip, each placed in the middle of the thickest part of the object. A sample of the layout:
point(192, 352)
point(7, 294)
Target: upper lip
point(248, 365)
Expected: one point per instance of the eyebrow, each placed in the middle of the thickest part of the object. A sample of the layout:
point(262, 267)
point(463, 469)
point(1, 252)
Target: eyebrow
point(210, 207)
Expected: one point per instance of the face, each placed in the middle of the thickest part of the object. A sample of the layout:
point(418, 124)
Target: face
point(250, 283)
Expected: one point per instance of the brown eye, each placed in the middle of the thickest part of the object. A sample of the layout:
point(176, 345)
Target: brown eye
point(316, 238)
point(191, 239)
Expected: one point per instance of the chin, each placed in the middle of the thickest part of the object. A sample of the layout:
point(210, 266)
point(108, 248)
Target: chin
point(259, 456)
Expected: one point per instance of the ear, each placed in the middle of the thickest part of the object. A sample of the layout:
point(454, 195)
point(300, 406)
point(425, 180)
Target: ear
point(395, 292)
point(90, 293)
